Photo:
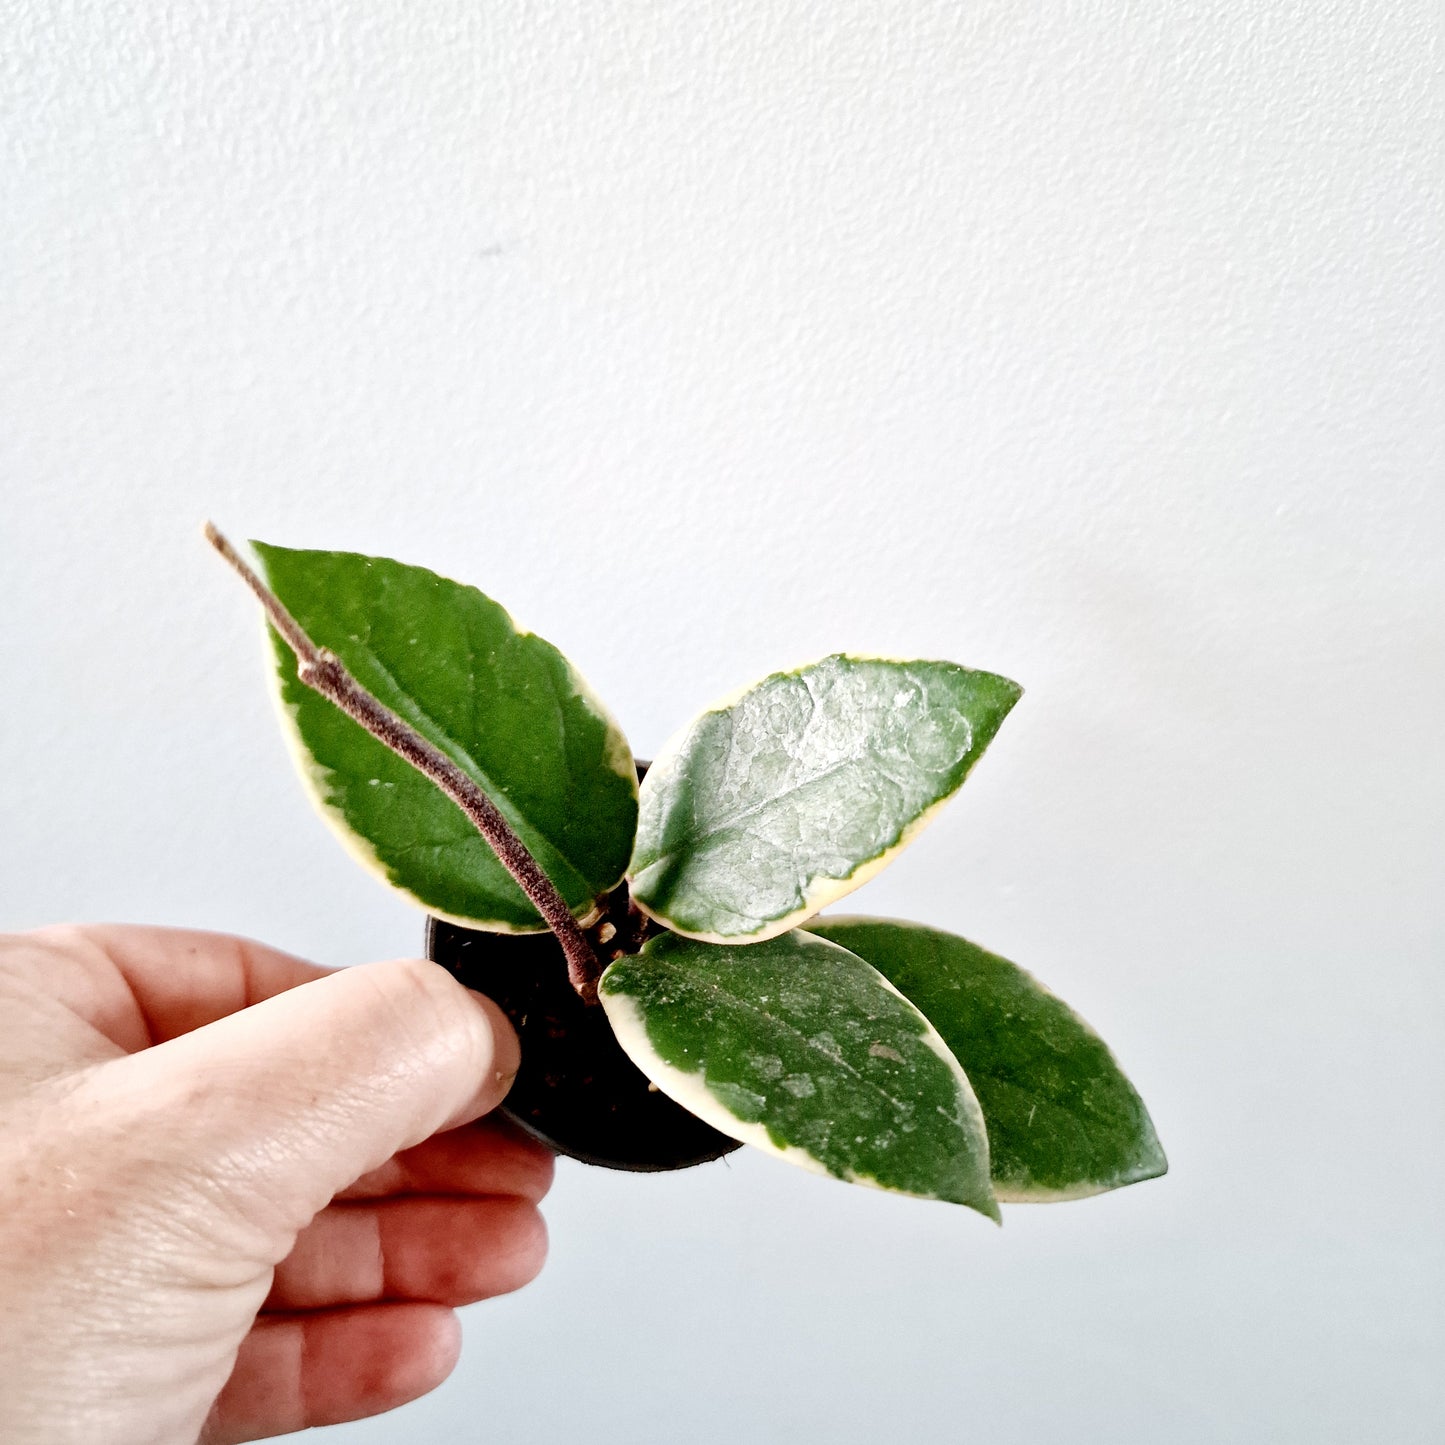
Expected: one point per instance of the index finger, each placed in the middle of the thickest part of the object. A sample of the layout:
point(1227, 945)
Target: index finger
point(140, 985)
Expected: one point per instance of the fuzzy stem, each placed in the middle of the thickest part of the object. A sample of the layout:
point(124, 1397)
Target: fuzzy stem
point(322, 670)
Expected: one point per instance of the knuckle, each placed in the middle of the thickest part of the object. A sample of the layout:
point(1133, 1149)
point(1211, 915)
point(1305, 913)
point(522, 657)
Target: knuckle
point(433, 1008)
point(413, 985)
point(70, 940)
point(517, 1244)
point(544, 1175)
point(532, 1250)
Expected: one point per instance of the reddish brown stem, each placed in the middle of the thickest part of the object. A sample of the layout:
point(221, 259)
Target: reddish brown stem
point(323, 671)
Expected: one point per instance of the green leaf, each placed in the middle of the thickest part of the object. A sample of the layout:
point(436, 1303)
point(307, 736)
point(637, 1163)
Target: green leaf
point(799, 1047)
point(504, 705)
point(779, 801)
point(1063, 1121)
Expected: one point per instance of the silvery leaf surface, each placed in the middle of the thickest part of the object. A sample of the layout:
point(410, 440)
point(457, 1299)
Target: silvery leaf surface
point(775, 803)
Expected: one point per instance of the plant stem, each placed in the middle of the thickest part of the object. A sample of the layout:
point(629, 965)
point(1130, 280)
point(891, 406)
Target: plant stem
point(323, 671)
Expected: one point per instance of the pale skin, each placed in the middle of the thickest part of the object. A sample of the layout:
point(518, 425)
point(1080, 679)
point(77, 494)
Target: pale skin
point(241, 1195)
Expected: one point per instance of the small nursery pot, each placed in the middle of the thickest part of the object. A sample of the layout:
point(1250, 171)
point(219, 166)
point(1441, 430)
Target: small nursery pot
point(576, 1091)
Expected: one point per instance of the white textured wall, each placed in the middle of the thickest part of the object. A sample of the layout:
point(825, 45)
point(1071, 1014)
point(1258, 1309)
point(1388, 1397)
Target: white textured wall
point(1098, 344)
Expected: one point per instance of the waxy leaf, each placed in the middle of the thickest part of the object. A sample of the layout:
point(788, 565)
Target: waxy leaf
point(504, 705)
point(797, 1046)
point(774, 804)
point(1063, 1121)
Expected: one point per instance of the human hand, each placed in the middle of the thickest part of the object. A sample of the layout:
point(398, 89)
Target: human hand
point(223, 1174)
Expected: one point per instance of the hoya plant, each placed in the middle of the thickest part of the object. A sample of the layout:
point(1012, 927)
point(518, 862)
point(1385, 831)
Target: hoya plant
point(652, 929)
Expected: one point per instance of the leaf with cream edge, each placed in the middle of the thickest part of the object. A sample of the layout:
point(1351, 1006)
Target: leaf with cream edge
point(1063, 1121)
point(502, 703)
point(775, 803)
point(799, 1047)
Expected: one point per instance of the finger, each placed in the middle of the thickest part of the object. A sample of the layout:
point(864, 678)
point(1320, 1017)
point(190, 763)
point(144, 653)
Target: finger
point(448, 1251)
point(138, 986)
point(274, 1110)
point(295, 1372)
point(492, 1156)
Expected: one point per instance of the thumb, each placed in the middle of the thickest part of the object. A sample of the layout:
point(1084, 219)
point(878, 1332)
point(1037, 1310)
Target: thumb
point(280, 1106)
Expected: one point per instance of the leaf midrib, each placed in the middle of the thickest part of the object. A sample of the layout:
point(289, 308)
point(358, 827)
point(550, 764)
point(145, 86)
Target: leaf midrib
point(733, 820)
point(463, 758)
point(807, 678)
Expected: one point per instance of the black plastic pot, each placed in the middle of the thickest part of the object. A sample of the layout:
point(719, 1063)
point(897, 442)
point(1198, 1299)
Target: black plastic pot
point(577, 1091)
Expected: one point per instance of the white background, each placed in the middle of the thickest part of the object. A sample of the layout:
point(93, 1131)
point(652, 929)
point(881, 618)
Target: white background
point(1095, 344)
